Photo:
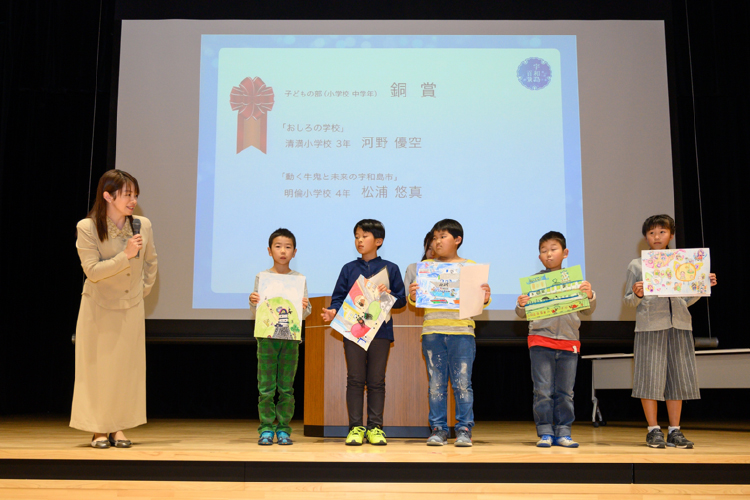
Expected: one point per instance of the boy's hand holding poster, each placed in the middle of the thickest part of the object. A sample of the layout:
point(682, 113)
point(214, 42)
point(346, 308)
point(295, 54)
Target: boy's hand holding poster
point(278, 315)
point(363, 312)
point(677, 273)
point(554, 293)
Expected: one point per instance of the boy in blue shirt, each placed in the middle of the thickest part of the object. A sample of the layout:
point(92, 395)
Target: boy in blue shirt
point(554, 346)
point(664, 349)
point(367, 367)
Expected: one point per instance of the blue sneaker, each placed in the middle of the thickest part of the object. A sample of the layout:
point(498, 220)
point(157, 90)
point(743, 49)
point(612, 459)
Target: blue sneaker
point(565, 442)
point(545, 441)
point(283, 438)
point(266, 438)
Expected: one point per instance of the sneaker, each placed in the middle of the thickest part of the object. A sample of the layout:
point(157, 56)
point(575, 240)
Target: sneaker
point(439, 437)
point(655, 439)
point(678, 440)
point(376, 436)
point(266, 438)
point(356, 436)
point(565, 442)
point(463, 437)
point(283, 438)
point(545, 441)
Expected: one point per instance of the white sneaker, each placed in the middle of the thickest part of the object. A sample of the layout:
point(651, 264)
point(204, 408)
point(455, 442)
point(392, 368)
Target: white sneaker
point(565, 441)
point(545, 441)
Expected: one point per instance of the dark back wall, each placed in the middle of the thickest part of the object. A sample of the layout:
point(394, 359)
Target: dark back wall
point(57, 66)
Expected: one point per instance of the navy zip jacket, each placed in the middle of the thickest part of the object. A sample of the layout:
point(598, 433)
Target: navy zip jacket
point(349, 274)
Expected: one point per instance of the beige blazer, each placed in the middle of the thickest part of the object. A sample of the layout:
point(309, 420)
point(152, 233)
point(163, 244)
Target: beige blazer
point(112, 280)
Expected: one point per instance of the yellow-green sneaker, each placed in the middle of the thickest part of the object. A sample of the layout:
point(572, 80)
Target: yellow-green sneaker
point(376, 436)
point(356, 436)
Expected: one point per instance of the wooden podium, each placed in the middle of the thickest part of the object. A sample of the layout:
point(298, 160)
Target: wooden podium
point(406, 396)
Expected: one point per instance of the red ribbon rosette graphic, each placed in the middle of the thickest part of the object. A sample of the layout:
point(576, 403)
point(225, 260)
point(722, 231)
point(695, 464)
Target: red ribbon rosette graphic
point(253, 99)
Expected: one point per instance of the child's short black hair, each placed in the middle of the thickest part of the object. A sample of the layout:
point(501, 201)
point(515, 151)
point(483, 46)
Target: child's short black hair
point(553, 235)
point(371, 226)
point(452, 226)
point(427, 242)
point(661, 220)
point(282, 232)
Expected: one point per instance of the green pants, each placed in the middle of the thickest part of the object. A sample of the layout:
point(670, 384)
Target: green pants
point(277, 365)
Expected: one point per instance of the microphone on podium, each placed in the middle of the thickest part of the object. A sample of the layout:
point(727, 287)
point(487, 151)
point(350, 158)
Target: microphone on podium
point(136, 224)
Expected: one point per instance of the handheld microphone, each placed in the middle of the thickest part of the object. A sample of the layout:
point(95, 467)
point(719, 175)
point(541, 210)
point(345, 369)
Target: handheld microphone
point(136, 224)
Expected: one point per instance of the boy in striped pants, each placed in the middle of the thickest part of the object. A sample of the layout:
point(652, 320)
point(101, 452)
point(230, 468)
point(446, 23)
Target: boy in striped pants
point(664, 347)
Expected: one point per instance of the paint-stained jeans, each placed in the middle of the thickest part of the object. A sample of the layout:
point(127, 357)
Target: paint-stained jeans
point(450, 356)
point(554, 374)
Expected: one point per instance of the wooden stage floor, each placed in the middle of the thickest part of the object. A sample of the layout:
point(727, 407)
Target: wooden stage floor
point(236, 440)
point(42, 458)
point(224, 450)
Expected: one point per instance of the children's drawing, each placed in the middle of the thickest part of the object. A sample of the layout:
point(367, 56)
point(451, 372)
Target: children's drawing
point(554, 293)
point(278, 315)
point(677, 273)
point(381, 277)
point(438, 285)
point(363, 312)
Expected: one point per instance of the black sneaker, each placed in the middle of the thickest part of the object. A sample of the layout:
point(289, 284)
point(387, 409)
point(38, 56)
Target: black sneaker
point(463, 437)
point(439, 437)
point(655, 439)
point(678, 440)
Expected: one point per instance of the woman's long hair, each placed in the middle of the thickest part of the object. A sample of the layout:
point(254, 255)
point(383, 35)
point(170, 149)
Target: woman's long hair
point(111, 182)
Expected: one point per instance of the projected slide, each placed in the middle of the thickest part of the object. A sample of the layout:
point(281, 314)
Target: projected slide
point(314, 133)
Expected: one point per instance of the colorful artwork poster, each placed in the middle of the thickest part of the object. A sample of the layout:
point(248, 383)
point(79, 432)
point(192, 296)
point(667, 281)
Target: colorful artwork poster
point(381, 277)
point(279, 312)
point(554, 293)
point(438, 285)
point(363, 312)
point(677, 273)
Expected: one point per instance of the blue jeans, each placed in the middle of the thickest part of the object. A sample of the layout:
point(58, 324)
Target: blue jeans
point(554, 374)
point(450, 356)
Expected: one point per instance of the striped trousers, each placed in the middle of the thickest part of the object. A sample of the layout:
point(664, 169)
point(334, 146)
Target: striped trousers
point(665, 365)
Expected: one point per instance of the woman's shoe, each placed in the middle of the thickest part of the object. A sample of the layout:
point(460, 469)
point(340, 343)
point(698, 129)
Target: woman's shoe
point(119, 443)
point(99, 444)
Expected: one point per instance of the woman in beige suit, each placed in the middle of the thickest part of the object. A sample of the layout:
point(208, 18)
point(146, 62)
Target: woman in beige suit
point(120, 267)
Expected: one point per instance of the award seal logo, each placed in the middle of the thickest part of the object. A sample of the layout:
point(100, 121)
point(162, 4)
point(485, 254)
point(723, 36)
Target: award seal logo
point(534, 73)
point(253, 99)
